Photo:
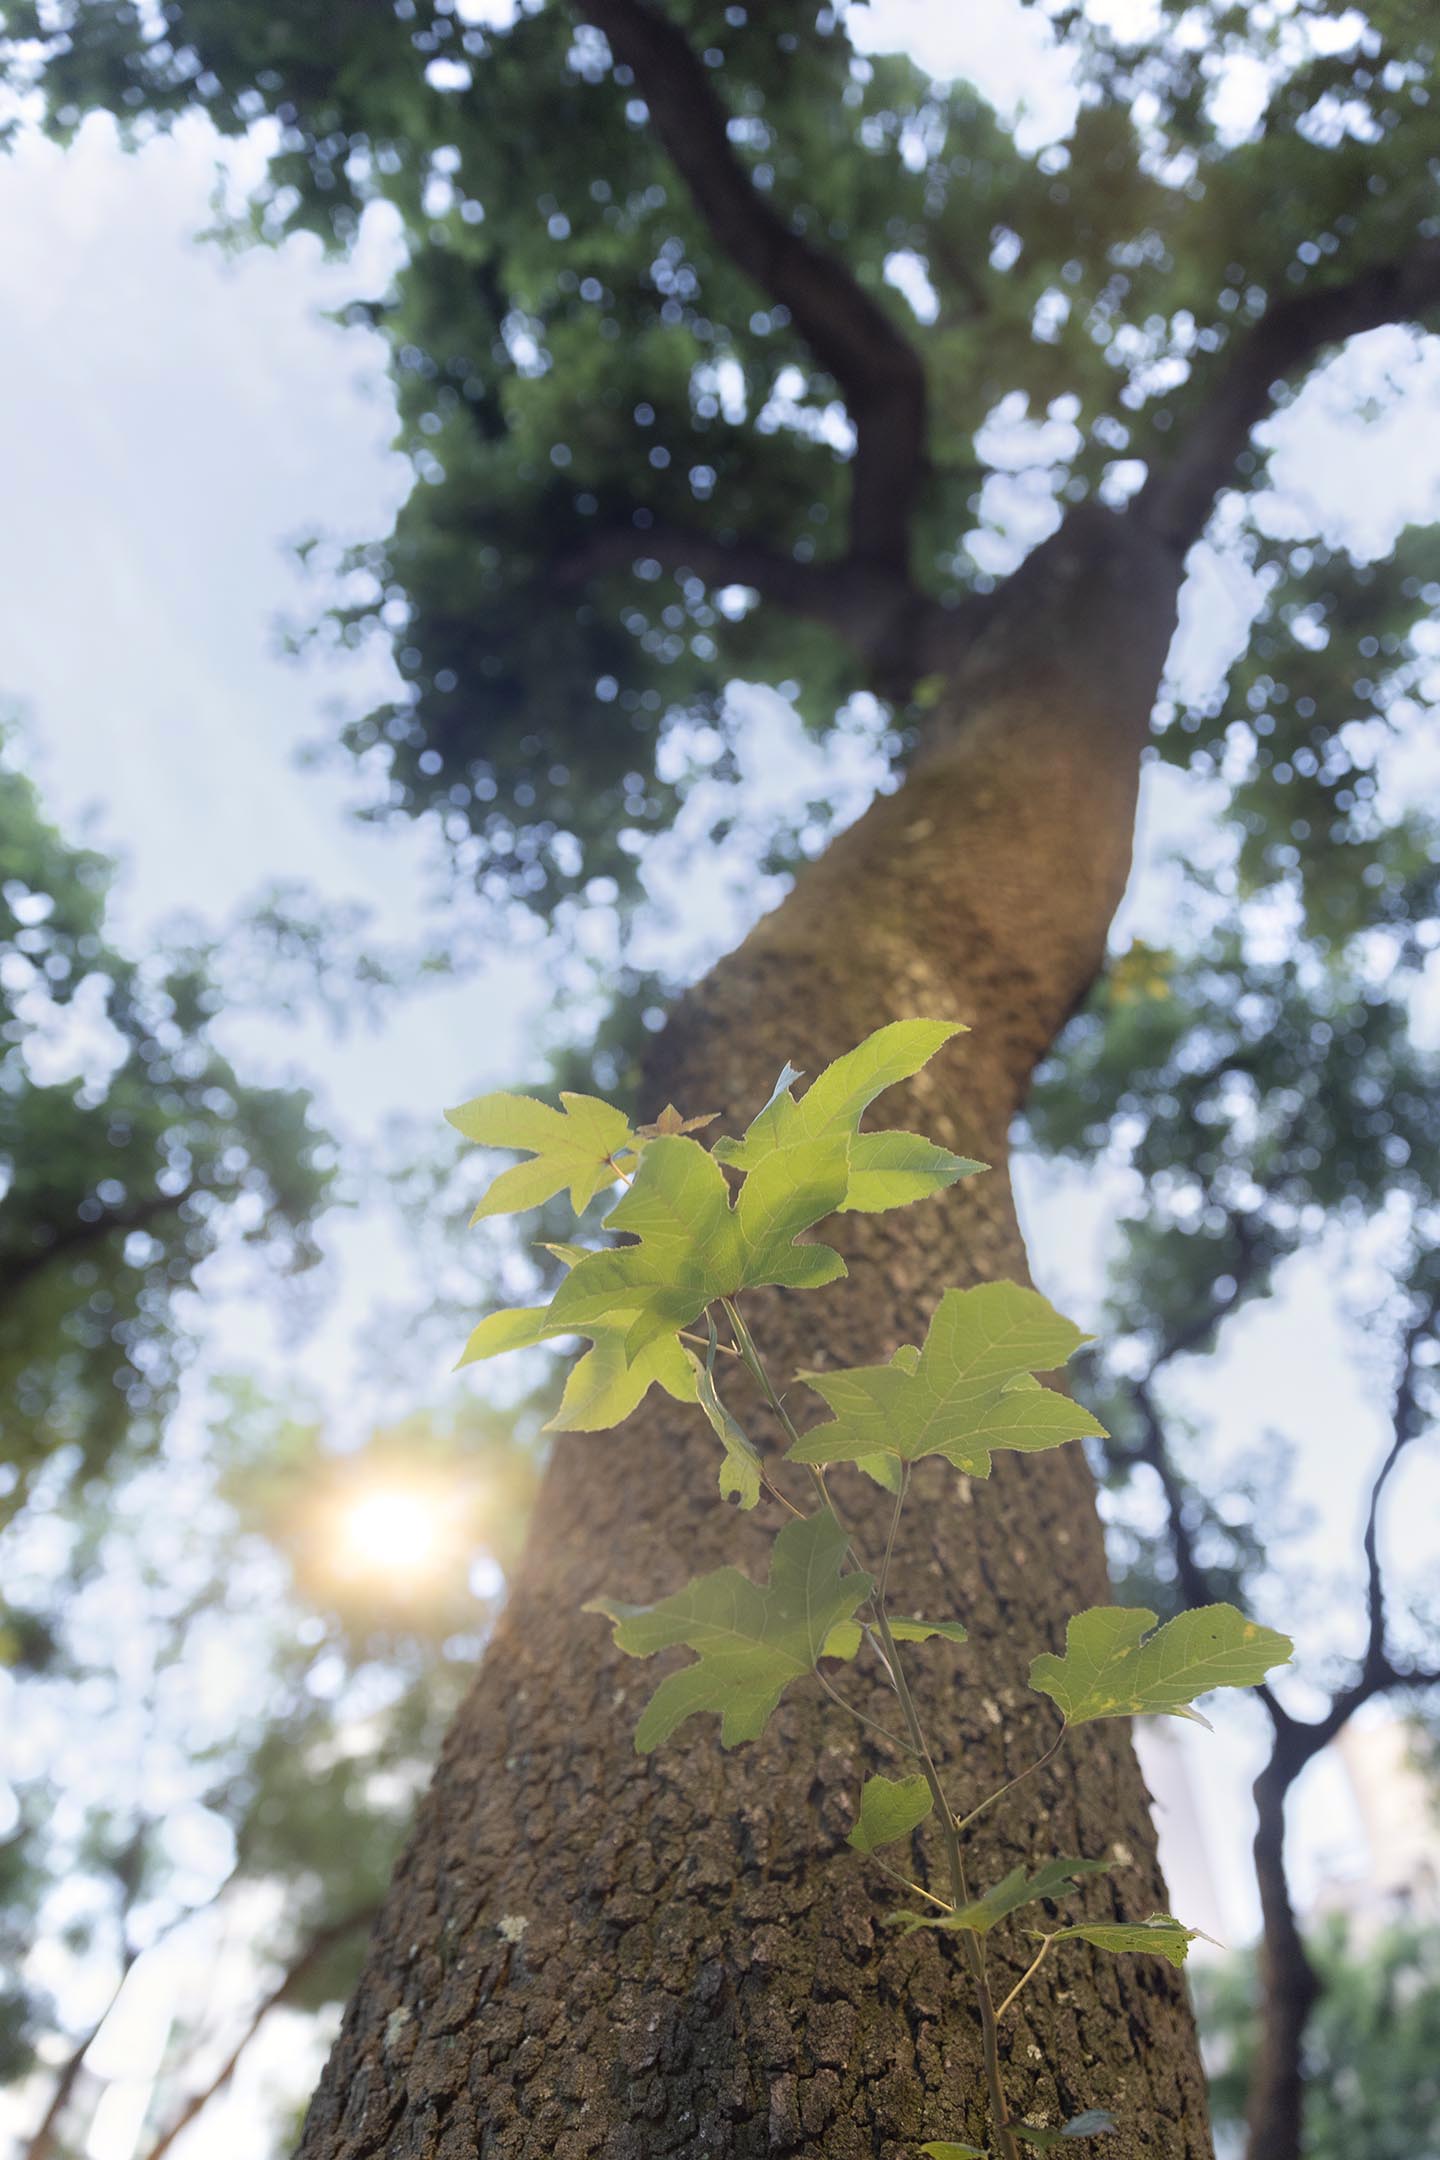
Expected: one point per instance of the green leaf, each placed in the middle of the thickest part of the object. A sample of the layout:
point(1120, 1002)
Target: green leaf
point(740, 1471)
point(1111, 1669)
point(752, 1642)
point(922, 1630)
point(1159, 1936)
point(939, 2150)
point(693, 1246)
point(885, 1169)
point(605, 1386)
point(1095, 2122)
point(843, 1641)
point(1017, 1889)
point(571, 1147)
point(892, 1169)
point(970, 1389)
point(890, 1809)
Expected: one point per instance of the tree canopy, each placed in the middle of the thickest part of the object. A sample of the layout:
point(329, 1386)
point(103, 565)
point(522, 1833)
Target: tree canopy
point(131, 1148)
point(741, 377)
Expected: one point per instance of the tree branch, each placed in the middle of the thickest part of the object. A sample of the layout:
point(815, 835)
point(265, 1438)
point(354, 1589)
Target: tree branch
point(881, 618)
point(17, 1269)
point(851, 334)
point(1290, 1986)
point(1177, 499)
point(320, 1944)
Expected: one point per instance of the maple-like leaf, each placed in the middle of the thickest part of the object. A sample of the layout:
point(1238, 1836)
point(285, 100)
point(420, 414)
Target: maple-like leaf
point(693, 1246)
point(752, 1641)
point(970, 1389)
point(670, 1121)
point(1113, 1666)
point(886, 1170)
point(571, 1148)
point(1159, 1936)
point(605, 1385)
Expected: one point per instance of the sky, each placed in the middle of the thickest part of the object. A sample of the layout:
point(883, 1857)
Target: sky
point(172, 419)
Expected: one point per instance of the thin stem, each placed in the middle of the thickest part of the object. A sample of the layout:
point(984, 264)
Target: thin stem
point(702, 1342)
point(918, 1889)
point(835, 1696)
point(890, 1540)
point(1005, 2145)
point(1025, 1978)
point(1010, 1783)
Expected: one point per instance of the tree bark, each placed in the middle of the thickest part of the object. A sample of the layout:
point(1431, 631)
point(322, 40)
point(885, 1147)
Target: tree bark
point(589, 1953)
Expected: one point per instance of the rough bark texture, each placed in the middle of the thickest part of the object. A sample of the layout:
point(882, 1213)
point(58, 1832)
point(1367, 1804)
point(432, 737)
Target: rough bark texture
point(587, 1953)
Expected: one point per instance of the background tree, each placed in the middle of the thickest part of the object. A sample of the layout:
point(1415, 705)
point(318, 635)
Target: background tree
point(130, 1150)
point(669, 425)
point(247, 1743)
point(1371, 2052)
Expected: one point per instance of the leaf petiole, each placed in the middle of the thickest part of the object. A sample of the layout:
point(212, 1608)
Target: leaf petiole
point(1025, 1978)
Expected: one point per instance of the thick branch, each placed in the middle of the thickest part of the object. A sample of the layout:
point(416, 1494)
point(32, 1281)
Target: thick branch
point(852, 335)
point(17, 1269)
point(319, 1946)
point(1177, 500)
point(881, 618)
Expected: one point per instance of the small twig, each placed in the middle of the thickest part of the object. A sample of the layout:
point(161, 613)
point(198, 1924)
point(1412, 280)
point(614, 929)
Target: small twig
point(1025, 1978)
point(1010, 1783)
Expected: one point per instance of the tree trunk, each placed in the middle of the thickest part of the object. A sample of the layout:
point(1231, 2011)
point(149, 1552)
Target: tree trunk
point(589, 1953)
point(1290, 1987)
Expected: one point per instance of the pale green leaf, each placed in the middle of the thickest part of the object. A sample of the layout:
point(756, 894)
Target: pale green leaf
point(890, 1809)
point(891, 1169)
point(938, 2149)
point(740, 1470)
point(843, 1641)
point(693, 1246)
point(572, 1147)
point(751, 1641)
point(605, 1386)
point(969, 1390)
point(885, 1169)
point(1159, 1936)
point(1113, 1667)
point(1008, 1896)
point(922, 1630)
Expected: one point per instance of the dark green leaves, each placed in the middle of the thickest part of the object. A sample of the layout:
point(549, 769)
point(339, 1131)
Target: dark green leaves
point(886, 1170)
point(693, 1246)
point(1159, 1936)
point(969, 1390)
point(751, 1642)
point(1111, 1668)
point(890, 1809)
point(572, 1147)
point(1017, 1889)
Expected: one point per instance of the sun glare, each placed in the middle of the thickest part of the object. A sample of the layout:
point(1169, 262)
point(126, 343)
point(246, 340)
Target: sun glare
point(391, 1531)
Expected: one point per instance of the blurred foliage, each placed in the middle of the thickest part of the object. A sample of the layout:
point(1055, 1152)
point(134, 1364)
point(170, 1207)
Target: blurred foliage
point(131, 1149)
point(1372, 2062)
point(577, 362)
point(238, 1706)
